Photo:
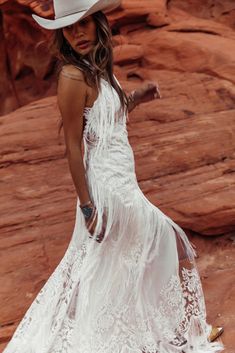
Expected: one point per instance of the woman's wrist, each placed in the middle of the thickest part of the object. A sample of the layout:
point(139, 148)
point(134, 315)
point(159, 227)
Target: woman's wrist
point(87, 209)
point(87, 203)
point(133, 100)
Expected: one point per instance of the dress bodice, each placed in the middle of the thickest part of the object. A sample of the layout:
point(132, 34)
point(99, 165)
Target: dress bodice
point(108, 156)
point(105, 118)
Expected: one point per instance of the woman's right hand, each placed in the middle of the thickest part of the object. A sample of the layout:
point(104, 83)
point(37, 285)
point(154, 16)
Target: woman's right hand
point(91, 224)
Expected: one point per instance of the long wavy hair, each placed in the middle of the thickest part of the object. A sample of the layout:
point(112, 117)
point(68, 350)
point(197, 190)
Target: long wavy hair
point(97, 63)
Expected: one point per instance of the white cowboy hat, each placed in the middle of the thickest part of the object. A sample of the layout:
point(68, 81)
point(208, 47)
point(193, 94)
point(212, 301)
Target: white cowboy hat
point(68, 12)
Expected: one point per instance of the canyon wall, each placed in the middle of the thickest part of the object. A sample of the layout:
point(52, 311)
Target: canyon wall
point(183, 143)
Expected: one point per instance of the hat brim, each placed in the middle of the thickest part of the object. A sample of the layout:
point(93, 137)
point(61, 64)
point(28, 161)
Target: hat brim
point(71, 19)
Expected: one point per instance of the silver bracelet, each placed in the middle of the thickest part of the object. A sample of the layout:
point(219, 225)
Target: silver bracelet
point(87, 211)
point(88, 203)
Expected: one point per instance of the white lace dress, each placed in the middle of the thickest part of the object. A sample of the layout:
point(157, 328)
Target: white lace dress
point(139, 290)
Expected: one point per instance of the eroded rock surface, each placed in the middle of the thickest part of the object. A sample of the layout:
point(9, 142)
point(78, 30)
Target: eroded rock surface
point(190, 180)
point(183, 143)
point(173, 35)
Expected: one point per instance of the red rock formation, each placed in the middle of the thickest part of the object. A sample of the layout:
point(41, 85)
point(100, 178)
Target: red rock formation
point(26, 58)
point(220, 10)
point(180, 166)
point(174, 35)
point(8, 91)
point(183, 143)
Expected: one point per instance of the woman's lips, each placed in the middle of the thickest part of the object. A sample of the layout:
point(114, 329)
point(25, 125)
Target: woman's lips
point(83, 45)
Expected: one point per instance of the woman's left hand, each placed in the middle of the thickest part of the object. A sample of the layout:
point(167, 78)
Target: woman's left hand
point(147, 93)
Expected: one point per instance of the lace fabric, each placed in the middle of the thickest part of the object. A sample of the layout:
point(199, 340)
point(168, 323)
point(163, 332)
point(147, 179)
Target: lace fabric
point(138, 291)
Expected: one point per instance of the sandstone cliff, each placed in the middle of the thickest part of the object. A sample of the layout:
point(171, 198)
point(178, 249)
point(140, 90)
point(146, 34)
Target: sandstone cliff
point(183, 143)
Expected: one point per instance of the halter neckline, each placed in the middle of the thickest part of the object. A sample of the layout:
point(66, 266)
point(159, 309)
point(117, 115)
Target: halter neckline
point(90, 108)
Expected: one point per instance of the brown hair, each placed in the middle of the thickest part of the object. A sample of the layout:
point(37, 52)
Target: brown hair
point(98, 63)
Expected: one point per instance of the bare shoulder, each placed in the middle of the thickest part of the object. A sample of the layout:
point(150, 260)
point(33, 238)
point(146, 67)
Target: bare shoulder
point(71, 78)
point(72, 88)
point(72, 72)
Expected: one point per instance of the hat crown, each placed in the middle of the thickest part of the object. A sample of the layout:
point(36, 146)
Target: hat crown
point(64, 8)
point(68, 12)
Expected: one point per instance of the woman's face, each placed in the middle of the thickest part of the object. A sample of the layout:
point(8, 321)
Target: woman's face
point(81, 35)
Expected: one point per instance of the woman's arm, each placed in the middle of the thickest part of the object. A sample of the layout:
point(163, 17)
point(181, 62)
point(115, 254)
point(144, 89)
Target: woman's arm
point(72, 93)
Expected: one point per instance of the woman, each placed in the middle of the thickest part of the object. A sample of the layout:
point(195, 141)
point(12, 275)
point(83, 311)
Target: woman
point(128, 281)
